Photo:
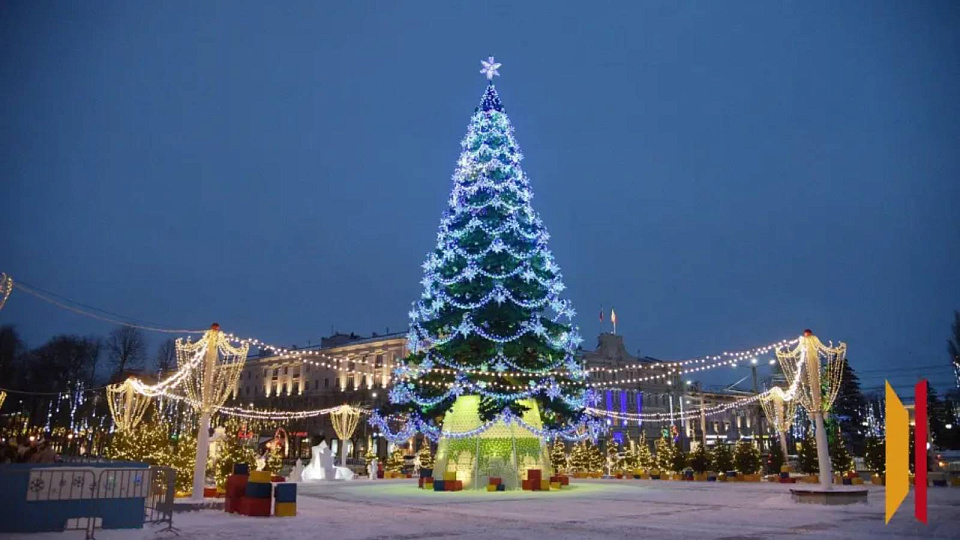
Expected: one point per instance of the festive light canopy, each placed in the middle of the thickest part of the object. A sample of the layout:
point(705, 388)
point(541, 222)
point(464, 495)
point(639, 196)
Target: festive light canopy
point(127, 406)
point(208, 388)
point(779, 410)
point(819, 368)
point(344, 419)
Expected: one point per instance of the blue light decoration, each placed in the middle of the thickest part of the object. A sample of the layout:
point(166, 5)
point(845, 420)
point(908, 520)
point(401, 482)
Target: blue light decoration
point(491, 312)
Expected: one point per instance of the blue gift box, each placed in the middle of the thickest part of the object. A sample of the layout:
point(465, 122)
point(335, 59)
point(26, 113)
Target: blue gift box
point(257, 490)
point(501, 487)
point(731, 474)
point(285, 493)
point(711, 479)
point(241, 469)
point(784, 475)
point(438, 485)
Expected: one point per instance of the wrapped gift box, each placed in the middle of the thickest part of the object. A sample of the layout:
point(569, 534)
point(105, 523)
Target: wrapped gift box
point(285, 509)
point(544, 485)
point(526, 485)
point(491, 487)
point(241, 469)
point(255, 507)
point(555, 485)
point(276, 478)
point(285, 493)
point(236, 486)
point(534, 475)
point(449, 475)
point(438, 485)
point(495, 481)
point(256, 490)
point(261, 477)
point(501, 487)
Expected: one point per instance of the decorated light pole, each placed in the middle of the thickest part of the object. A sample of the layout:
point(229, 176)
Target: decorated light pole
point(779, 411)
point(818, 369)
point(209, 382)
point(344, 420)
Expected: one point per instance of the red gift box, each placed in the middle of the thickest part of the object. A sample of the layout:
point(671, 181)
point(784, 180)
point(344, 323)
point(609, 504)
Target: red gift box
point(456, 485)
point(526, 485)
point(564, 480)
point(230, 505)
point(255, 507)
point(236, 486)
point(534, 475)
point(495, 481)
point(276, 478)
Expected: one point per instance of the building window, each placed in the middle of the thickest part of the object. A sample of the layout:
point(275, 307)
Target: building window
point(316, 384)
point(326, 383)
point(276, 373)
point(379, 360)
point(284, 388)
point(296, 373)
point(286, 369)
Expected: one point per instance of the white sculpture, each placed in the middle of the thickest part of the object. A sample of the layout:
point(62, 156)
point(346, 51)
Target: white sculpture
point(321, 466)
point(372, 468)
point(296, 475)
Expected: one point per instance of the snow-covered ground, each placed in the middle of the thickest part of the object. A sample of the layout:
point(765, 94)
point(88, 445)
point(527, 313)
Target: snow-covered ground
point(589, 509)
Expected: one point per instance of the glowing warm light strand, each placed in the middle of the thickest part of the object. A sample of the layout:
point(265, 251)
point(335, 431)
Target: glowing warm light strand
point(127, 406)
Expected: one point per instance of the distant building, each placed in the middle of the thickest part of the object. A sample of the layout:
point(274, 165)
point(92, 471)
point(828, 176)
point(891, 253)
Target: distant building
point(642, 384)
point(313, 381)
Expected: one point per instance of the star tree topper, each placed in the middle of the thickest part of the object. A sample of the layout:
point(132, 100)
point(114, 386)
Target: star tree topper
point(490, 68)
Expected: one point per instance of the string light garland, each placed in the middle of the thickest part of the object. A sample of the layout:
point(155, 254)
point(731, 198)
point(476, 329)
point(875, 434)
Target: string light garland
point(127, 406)
point(780, 413)
point(6, 287)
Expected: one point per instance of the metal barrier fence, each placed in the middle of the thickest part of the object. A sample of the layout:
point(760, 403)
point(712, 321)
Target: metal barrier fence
point(158, 506)
point(92, 497)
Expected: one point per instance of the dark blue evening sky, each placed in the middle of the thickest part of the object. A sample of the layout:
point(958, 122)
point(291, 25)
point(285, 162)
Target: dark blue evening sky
point(724, 173)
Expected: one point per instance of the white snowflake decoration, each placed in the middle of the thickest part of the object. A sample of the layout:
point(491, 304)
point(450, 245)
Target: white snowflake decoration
point(490, 68)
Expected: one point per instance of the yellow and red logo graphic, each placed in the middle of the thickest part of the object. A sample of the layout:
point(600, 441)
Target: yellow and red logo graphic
point(898, 452)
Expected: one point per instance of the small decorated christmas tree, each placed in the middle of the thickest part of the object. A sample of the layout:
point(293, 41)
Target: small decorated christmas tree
point(597, 461)
point(876, 457)
point(395, 461)
point(775, 459)
point(579, 457)
point(425, 457)
point(722, 458)
point(840, 458)
point(746, 457)
point(807, 455)
point(644, 455)
point(679, 461)
point(558, 457)
point(700, 459)
point(665, 451)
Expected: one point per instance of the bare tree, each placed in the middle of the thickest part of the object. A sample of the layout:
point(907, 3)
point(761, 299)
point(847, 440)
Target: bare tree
point(126, 349)
point(166, 357)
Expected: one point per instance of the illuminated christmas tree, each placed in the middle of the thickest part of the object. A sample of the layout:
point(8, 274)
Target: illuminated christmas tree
point(665, 451)
point(746, 457)
point(644, 455)
point(558, 457)
point(492, 371)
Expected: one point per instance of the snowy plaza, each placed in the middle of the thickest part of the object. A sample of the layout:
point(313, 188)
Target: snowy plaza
point(590, 509)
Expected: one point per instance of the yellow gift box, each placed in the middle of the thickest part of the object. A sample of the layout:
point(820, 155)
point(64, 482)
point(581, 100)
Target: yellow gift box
point(491, 487)
point(786, 468)
point(285, 509)
point(450, 476)
point(544, 485)
point(554, 485)
point(260, 477)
